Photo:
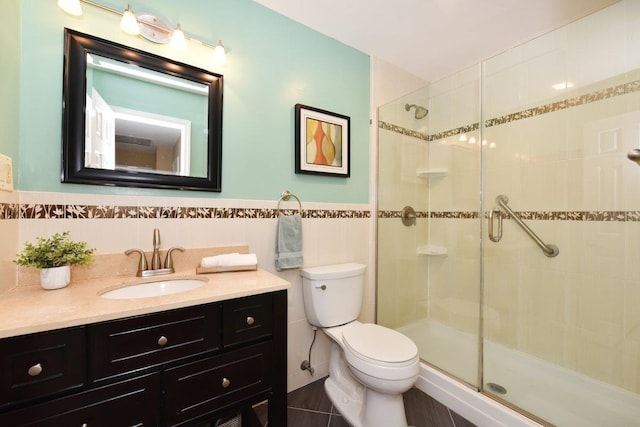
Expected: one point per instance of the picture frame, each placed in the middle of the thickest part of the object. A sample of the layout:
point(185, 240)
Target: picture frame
point(322, 142)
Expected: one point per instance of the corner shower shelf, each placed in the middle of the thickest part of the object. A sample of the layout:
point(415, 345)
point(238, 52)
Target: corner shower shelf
point(431, 250)
point(431, 172)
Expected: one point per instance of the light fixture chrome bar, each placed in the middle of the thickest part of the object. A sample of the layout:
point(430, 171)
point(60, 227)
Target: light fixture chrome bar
point(549, 250)
point(117, 12)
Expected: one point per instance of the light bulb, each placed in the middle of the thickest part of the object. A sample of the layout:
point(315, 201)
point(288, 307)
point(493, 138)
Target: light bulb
point(177, 39)
point(129, 24)
point(72, 7)
point(219, 54)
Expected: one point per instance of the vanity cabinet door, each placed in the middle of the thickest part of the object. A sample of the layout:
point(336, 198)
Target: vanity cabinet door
point(200, 389)
point(135, 343)
point(247, 319)
point(40, 364)
point(134, 402)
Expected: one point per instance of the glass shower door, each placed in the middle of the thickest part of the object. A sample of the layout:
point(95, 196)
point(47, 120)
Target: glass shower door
point(428, 273)
point(561, 336)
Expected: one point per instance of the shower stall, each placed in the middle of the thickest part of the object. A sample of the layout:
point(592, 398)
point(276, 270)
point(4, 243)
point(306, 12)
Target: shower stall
point(525, 152)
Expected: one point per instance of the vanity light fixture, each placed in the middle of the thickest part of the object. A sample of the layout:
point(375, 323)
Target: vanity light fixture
point(150, 27)
point(219, 54)
point(177, 39)
point(129, 24)
point(72, 7)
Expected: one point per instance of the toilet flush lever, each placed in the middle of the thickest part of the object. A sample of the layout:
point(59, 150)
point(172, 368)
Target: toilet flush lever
point(323, 287)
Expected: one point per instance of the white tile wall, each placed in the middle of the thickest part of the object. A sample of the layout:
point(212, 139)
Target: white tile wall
point(9, 244)
point(325, 241)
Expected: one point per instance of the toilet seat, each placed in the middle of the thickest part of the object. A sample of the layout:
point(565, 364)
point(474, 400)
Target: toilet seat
point(379, 346)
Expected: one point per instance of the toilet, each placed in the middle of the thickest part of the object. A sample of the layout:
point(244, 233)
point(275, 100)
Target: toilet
point(370, 366)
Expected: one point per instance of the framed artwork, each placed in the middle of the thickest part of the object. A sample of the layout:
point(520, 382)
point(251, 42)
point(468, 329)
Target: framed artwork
point(321, 142)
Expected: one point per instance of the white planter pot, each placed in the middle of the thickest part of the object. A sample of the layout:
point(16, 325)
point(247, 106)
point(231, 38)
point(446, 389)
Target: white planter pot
point(55, 277)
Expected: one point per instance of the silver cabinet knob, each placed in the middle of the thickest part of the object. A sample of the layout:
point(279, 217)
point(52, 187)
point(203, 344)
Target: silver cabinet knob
point(250, 320)
point(226, 382)
point(162, 340)
point(35, 370)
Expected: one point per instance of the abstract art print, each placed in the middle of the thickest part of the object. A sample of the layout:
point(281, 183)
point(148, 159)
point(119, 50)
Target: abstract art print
point(321, 142)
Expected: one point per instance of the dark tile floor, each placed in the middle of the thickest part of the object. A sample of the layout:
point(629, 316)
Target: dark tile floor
point(309, 406)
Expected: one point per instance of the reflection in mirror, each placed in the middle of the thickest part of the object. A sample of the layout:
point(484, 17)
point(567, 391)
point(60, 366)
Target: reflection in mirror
point(148, 121)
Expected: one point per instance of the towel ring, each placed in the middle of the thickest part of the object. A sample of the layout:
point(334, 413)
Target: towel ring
point(286, 195)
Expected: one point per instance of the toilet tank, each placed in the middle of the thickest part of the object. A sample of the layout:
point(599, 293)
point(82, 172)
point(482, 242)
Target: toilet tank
point(333, 293)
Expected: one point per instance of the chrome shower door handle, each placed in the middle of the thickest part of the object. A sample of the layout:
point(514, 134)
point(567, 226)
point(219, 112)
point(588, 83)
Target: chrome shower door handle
point(493, 236)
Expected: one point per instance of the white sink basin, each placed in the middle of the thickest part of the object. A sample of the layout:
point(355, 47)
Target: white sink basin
point(154, 289)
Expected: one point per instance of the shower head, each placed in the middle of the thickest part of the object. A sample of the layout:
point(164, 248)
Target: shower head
point(421, 112)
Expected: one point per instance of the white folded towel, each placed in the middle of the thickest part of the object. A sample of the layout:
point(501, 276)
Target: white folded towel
point(229, 260)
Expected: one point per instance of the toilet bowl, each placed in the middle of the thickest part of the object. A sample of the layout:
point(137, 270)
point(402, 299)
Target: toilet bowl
point(381, 355)
point(370, 366)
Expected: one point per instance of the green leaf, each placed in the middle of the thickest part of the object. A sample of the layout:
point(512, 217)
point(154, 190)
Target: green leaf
point(56, 251)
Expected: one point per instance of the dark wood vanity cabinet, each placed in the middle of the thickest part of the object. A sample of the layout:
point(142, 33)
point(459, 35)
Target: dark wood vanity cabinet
point(122, 346)
point(39, 365)
point(188, 366)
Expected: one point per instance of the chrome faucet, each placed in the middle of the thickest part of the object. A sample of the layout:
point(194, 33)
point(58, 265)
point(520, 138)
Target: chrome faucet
point(156, 263)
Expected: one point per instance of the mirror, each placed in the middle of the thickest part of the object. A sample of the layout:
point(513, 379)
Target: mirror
point(132, 118)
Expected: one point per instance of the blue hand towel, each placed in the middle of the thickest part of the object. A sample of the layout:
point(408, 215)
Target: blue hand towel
point(289, 242)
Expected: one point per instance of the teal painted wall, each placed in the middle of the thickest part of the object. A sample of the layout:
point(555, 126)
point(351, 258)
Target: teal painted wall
point(273, 63)
point(9, 79)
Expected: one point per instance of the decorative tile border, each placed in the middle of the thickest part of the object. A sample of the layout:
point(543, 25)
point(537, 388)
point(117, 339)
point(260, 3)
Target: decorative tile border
point(603, 216)
point(402, 130)
point(587, 98)
point(452, 132)
point(9, 211)
point(600, 95)
point(44, 211)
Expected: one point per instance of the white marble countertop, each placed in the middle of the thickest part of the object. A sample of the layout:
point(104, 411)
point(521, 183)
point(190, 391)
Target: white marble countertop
point(27, 309)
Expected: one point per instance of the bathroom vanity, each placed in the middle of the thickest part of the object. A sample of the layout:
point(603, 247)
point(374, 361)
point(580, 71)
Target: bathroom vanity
point(192, 365)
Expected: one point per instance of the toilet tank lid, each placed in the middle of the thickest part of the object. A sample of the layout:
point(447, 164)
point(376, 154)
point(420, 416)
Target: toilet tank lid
point(336, 271)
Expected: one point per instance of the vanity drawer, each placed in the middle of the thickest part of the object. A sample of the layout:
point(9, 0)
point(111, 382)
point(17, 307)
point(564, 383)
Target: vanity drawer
point(134, 402)
point(40, 364)
point(247, 319)
point(201, 388)
point(141, 342)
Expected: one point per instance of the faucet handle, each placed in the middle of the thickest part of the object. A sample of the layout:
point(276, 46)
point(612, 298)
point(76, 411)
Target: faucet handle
point(142, 265)
point(168, 261)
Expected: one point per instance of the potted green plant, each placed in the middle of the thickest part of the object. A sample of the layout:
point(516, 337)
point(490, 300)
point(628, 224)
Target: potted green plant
point(54, 256)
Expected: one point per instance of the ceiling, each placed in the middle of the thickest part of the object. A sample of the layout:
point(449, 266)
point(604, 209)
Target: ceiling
point(433, 38)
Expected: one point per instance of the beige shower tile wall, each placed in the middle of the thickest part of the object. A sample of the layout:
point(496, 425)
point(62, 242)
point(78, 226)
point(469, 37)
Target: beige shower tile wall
point(9, 244)
point(390, 82)
point(458, 190)
point(325, 241)
point(403, 289)
point(453, 279)
point(579, 310)
point(455, 100)
point(398, 182)
point(397, 185)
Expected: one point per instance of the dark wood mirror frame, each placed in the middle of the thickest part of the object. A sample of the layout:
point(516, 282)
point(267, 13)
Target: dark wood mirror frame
point(77, 45)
